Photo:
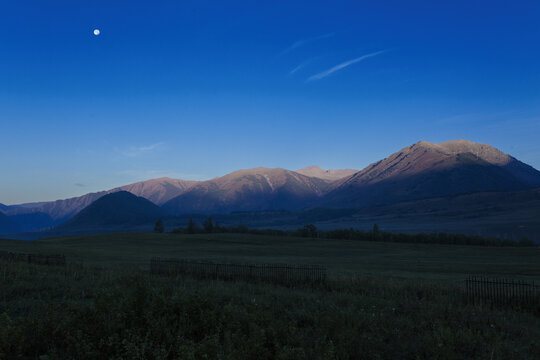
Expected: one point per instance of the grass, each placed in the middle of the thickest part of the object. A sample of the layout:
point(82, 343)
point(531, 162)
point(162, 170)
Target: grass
point(122, 313)
point(112, 308)
point(408, 261)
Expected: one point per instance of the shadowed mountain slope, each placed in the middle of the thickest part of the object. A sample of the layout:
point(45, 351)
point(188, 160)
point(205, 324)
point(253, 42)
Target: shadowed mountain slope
point(61, 210)
point(34, 221)
point(120, 208)
point(329, 175)
point(252, 189)
point(156, 190)
point(7, 225)
point(425, 170)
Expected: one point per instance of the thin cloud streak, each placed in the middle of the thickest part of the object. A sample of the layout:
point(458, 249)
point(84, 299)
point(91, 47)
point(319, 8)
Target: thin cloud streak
point(137, 151)
point(303, 42)
point(302, 65)
point(297, 68)
point(341, 66)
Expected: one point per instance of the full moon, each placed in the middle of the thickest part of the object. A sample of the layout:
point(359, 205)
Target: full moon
point(96, 32)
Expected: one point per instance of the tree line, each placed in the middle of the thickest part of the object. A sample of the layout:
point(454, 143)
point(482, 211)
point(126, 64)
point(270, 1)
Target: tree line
point(209, 226)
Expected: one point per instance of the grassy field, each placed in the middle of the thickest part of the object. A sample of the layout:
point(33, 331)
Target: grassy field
point(105, 305)
point(341, 257)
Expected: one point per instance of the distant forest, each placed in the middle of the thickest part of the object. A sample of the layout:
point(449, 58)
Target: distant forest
point(311, 231)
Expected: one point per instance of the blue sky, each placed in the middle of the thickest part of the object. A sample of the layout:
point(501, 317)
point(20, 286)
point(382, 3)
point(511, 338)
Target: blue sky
point(196, 89)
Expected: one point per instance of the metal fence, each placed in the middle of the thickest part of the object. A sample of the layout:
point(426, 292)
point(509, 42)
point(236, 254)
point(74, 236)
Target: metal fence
point(282, 274)
point(502, 291)
point(54, 260)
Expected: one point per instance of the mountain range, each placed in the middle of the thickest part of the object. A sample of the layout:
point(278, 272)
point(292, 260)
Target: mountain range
point(253, 189)
point(420, 171)
point(158, 191)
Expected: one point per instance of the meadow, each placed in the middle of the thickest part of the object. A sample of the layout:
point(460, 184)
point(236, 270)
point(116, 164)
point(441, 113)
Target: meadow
point(381, 300)
point(442, 262)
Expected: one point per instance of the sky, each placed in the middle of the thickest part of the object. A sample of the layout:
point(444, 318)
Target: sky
point(197, 89)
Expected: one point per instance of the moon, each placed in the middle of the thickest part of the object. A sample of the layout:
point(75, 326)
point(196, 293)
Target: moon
point(96, 32)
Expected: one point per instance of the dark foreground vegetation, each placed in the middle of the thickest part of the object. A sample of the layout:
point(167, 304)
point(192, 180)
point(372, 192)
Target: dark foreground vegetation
point(58, 260)
point(311, 231)
point(51, 312)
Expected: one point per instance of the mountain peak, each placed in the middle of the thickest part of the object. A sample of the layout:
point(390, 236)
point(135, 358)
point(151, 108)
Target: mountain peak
point(158, 190)
point(257, 170)
point(426, 169)
point(250, 189)
point(312, 167)
point(454, 147)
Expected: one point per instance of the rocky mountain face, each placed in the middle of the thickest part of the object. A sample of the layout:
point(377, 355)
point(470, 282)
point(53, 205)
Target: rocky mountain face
point(253, 189)
point(61, 210)
point(329, 175)
point(160, 190)
point(425, 170)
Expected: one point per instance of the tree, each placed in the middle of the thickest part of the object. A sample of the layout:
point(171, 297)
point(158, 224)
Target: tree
point(525, 242)
point(218, 228)
point(375, 232)
point(159, 227)
point(208, 225)
point(191, 227)
point(309, 230)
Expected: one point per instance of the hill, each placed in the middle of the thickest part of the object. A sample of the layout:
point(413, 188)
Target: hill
point(252, 189)
point(427, 170)
point(118, 210)
point(504, 214)
point(156, 190)
point(34, 221)
point(7, 225)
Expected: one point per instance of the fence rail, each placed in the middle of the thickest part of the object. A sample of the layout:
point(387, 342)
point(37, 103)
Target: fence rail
point(55, 260)
point(502, 291)
point(283, 274)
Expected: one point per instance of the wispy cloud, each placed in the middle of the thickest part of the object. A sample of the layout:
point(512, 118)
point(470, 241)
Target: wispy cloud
point(303, 42)
point(343, 65)
point(79, 184)
point(134, 151)
point(302, 65)
point(299, 67)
